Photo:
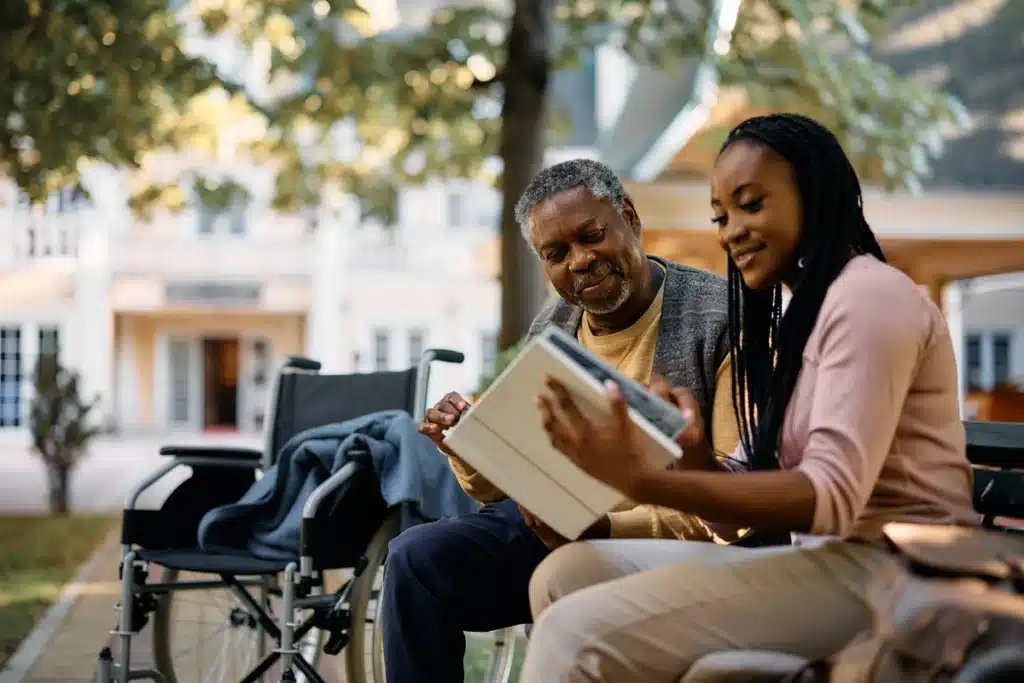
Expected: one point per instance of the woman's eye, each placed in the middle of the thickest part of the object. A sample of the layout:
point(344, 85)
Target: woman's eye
point(719, 220)
point(753, 206)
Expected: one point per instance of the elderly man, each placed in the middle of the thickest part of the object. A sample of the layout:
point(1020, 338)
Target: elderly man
point(640, 314)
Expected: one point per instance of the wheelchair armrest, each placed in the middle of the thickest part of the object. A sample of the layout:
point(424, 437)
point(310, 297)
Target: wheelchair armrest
point(224, 452)
point(333, 483)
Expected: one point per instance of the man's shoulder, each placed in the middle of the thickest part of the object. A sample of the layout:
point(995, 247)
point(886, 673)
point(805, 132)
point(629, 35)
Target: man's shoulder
point(691, 290)
point(558, 312)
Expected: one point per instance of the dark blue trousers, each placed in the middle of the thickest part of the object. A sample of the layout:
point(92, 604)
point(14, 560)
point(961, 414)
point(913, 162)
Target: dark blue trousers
point(466, 573)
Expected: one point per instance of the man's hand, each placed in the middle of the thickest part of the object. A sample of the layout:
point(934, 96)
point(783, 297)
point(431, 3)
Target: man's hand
point(552, 539)
point(443, 416)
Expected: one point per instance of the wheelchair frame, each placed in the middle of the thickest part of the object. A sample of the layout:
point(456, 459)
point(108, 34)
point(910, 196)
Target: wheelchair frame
point(301, 578)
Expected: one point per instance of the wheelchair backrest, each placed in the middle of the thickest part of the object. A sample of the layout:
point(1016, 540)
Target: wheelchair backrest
point(996, 450)
point(304, 399)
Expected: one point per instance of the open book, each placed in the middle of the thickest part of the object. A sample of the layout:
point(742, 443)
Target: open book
point(501, 435)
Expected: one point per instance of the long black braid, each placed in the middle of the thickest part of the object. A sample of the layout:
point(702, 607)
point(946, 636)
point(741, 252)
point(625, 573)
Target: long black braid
point(766, 347)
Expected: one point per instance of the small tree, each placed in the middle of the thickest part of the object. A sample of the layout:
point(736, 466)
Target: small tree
point(61, 426)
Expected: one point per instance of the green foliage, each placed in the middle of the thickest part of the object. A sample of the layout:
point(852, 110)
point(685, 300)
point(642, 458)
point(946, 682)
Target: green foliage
point(220, 196)
point(425, 102)
point(819, 57)
point(93, 79)
point(501, 361)
point(89, 79)
point(60, 424)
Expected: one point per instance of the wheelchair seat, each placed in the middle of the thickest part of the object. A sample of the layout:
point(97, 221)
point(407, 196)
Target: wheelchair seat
point(207, 562)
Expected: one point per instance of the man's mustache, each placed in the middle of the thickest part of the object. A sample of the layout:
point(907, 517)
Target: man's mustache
point(592, 277)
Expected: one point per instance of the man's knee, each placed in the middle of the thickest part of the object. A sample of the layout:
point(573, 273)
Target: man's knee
point(415, 554)
point(566, 570)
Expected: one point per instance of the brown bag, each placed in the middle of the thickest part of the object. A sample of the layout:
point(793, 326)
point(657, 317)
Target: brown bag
point(961, 619)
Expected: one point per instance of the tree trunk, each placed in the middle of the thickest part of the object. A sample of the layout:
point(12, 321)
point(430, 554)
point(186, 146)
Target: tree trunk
point(60, 499)
point(525, 78)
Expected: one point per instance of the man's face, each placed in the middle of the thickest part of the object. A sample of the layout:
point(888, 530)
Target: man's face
point(591, 251)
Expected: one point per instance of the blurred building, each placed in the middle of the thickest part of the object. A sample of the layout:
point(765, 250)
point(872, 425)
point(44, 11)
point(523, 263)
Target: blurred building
point(178, 323)
point(961, 237)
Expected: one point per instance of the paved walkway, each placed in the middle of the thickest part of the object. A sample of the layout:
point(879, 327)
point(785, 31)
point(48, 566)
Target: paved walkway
point(99, 485)
point(70, 656)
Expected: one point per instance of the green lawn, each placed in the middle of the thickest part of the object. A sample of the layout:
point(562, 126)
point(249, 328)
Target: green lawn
point(38, 555)
point(478, 657)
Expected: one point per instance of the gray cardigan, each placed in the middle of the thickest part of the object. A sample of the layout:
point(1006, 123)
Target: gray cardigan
point(693, 339)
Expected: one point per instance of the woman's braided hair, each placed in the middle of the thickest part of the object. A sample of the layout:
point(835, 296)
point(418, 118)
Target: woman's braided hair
point(766, 348)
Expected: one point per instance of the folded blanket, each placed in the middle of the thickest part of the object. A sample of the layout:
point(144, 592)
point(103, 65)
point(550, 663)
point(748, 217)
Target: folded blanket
point(412, 473)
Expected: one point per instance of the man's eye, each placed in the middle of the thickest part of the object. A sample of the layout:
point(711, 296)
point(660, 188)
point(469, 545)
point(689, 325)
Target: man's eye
point(595, 236)
point(754, 205)
point(553, 256)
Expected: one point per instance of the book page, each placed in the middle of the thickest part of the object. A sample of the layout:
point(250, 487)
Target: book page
point(502, 437)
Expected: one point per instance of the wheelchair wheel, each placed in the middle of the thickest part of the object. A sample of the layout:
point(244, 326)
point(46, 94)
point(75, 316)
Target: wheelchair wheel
point(364, 654)
point(210, 636)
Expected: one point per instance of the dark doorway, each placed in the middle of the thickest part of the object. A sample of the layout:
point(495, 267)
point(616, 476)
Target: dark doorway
point(220, 384)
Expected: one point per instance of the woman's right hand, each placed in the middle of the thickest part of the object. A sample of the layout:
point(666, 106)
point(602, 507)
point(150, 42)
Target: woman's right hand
point(687, 404)
point(443, 416)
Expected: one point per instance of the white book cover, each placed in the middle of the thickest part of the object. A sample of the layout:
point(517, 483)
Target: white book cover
point(501, 436)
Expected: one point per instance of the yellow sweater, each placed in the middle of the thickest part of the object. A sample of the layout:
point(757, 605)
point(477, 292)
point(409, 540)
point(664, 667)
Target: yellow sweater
point(631, 351)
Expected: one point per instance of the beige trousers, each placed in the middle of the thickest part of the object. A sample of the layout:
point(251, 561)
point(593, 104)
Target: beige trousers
point(638, 611)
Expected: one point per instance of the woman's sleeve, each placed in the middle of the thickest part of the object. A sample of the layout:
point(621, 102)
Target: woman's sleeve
point(872, 334)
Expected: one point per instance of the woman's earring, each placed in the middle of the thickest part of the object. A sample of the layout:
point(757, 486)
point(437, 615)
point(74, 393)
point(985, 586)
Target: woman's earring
point(800, 263)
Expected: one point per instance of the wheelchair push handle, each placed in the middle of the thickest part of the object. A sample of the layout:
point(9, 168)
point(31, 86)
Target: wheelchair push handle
point(443, 356)
point(423, 375)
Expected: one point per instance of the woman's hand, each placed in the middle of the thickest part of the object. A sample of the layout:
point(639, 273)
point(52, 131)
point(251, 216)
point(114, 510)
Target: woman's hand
point(687, 404)
point(608, 450)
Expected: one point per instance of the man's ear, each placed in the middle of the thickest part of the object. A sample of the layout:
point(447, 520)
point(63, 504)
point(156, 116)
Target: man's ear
point(630, 215)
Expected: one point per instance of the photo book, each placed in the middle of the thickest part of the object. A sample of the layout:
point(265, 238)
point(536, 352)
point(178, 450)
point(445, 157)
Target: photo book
point(501, 435)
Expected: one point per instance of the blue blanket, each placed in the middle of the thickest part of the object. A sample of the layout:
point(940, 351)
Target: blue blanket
point(413, 474)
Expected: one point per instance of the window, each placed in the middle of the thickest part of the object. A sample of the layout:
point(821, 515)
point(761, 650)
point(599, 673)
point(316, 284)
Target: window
point(232, 220)
point(488, 352)
point(10, 377)
point(456, 210)
point(381, 350)
point(1001, 373)
point(974, 378)
point(988, 359)
point(49, 341)
point(239, 219)
point(416, 344)
point(180, 358)
point(207, 220)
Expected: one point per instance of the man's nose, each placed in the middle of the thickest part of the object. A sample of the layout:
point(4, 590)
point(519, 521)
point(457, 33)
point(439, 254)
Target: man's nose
point(580, 259)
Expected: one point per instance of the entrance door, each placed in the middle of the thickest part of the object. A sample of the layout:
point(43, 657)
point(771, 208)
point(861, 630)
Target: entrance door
point(220, 384)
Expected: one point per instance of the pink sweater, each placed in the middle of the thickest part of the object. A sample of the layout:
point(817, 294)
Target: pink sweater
point(874, 421)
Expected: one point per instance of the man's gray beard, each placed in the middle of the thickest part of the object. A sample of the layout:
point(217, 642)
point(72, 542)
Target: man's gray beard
point(611, 305)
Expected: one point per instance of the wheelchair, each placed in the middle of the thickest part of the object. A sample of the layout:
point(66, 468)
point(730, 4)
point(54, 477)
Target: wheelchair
point(255, 603)
point(996, 453)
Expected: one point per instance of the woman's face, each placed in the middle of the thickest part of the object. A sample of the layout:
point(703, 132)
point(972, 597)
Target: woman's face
point(758, 212)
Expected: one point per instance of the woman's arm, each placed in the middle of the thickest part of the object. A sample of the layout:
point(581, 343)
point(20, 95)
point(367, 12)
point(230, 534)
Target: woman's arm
point(769, 501)
point(860, 373)
point(865, 363)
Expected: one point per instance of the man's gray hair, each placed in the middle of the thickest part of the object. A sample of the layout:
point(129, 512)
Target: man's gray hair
point(600, 180)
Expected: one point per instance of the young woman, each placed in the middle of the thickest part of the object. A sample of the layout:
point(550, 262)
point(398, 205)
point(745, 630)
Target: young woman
point(850, 420)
